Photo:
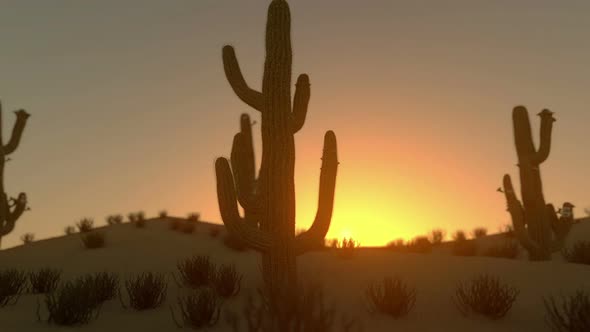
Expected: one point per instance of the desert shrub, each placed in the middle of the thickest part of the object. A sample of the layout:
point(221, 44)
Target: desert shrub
point(507, 249)
point(571, 315)
point(391, 297)
point(196, 271)
point(93, 240)
point(114, 219)
point(234, 243)
point(437, 236)
point(199, 310)
point(68, 230)
point(72, 303)
point(420, 244)
point(347, 248)
point(175, 224)
point(105, 286)
point(459, 236)
point(188, 227)
point(12, 284)
point(508, 231)
point(163, 214)
point(479, 232)
point(132, 217)
point(194, 217)
point(464, 248)
point(398, 245)
point(85, 225)
point(579, 253)
point(27, 238)
point(44, 280)
point(485, 295)
point(214, 231)
point(300, 309)
point(140, 220)
point(145, 291)
point(226, 281)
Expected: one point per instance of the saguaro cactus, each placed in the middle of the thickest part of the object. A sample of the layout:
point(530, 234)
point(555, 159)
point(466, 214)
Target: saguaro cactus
point(10, 208)
point(271, 198)
point(536, 223)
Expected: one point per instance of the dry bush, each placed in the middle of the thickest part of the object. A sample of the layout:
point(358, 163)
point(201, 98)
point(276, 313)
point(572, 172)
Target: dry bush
point(140, 220)
point(85, 225)
point(234, 243)
point(132, 217)
point(571, 315)
point(300, 309)
point(196, 271)
point(420, 245)
point(44, 280)
point(72, 303)
point(145, 291)
point(398, 245)
point(163, 214)
point(437, 236)
point(459, 236)
point(227, 281)
point(188, 227)
point(12, 284)
point(68, 230)
point(114, 219)
point(579, 253)
point(199, 310)
point(93, 240)
point(347, 248)
point(106, 286)
point(508, 231)
point(27, 238)
point(391, 297)
point(485, 295)
point(193, 217)
point(507, 249)
point(479, 232)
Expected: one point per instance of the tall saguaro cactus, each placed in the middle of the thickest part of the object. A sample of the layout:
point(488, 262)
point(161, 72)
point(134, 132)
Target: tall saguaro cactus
point(536, 223)
point(270, 199)
point(11, 209)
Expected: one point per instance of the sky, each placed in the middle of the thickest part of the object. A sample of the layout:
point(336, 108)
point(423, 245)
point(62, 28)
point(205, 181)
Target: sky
point(130, 106)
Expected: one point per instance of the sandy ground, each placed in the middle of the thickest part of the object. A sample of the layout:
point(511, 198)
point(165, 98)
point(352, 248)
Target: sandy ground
point(435, 275)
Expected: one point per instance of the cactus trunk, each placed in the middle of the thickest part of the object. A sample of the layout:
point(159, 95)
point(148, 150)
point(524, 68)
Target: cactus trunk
point(269, 201)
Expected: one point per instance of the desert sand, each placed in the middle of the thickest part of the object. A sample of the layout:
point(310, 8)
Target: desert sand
point(156, 248)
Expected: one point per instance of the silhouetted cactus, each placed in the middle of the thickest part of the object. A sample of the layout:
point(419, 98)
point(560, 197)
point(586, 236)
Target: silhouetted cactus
point(274, 193)
point(10, 208)
point(536, 224)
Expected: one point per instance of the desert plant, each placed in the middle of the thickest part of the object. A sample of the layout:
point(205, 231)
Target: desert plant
point(347, 248)
point(485, 295)
point(85, 225)
point(132, 217)
point(391, 297)
point(508, 231)
point(188, 227)
point(72, 303)
point(196, 271)
point(12, 284)
point(227, 281)
point(105, 286)
point(437, 236)
point(69, 230)
point(572, 315)
point(419, 244)
point(44, 280)
point(12, 208)
point(145, 291)
point(163, 214)
point(270, 199)
point(536, 224)
point(507, 249)
point(114, 219)
point(140, 220)
point(198, 310)
point(579, 253)
point(398, 245)
point(27, 238)
point(175, 224)
point(93, 240)
point(193, 217)
point(479, 232)
point(459, 235)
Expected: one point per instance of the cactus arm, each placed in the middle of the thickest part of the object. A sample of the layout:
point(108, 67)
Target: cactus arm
point(523, 138)
point(547, 120)
point(253, 237)
point(17, 131)
point(234, 75)
point(317, 232)
point(560, 226)
point(300, 103)
point(243, 164)
point(517, 213)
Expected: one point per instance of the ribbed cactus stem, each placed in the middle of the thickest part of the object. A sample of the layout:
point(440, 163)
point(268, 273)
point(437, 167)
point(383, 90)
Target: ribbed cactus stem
point(535, 222)
point(272, 194)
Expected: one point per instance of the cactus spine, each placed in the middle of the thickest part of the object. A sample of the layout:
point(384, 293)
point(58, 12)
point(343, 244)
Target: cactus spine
point(271, 198)
point(10, 208)
point(536, 223)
